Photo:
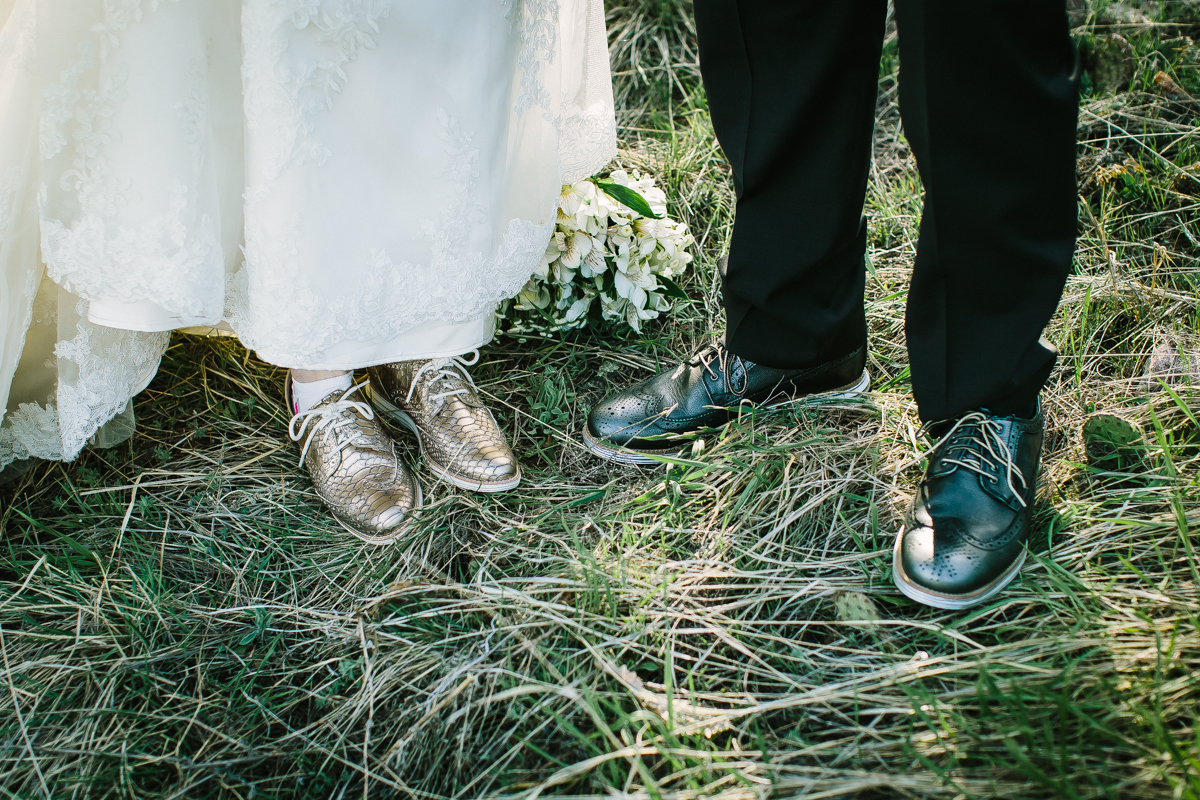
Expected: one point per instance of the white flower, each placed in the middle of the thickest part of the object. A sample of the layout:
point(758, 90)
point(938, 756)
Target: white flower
point(578, 309)
point(594, 232)
point(594, 263)
point(578, 246)
point(561, 273)
point(612, 307)
point(534, 295)
point(637, 297)
point(575, 196)
point(624, 286)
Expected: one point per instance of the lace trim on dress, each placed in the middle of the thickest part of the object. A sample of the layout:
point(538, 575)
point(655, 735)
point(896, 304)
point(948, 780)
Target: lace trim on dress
point(112, 365)
point(587, 125)
point(587, 129)
point(587, 141)
point(45, 301)
point(275, 311)
point(30, 432)
point(171, 258)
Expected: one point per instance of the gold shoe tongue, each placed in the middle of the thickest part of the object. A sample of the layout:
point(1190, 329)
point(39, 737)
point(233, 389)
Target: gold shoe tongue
point(332, 397)
point(360, 426)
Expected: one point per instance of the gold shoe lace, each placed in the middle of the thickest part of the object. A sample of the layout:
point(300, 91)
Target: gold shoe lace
point(980, 444)
point(446, 371)
point(327, 419)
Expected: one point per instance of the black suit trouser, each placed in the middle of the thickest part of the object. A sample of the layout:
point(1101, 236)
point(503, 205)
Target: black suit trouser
point(989, 98)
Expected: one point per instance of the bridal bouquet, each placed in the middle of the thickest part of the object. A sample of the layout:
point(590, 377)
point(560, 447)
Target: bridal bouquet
point(613, 257)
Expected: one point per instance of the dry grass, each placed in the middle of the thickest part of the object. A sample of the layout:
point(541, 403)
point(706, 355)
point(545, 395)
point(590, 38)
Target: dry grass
point(179, 618)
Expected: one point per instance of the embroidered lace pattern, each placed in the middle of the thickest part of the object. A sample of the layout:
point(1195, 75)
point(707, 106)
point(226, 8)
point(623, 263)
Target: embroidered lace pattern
point(535, 22)
point(172, 258)
point(587, 126)
point(587, 130)
point(168, 261)
point(586, 142)
point(110, 373)
point(108, 231)
point(30, 432)
point(274, 310)
point(113, 366)
point(284, 93)
point(45, 302)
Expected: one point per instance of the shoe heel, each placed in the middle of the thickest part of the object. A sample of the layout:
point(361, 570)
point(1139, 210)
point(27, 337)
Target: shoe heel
point(844, 393)
point(863, 385)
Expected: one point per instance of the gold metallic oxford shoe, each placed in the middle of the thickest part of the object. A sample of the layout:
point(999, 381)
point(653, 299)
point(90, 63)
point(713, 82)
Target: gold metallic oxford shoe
point(354, 466)
point(437, 400)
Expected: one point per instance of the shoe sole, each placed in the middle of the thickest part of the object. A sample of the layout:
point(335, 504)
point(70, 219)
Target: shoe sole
point(641, 458)
point(948, 602)
point(401, 417)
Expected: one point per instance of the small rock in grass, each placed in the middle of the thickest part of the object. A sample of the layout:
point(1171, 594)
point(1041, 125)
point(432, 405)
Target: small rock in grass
point(1168, 365)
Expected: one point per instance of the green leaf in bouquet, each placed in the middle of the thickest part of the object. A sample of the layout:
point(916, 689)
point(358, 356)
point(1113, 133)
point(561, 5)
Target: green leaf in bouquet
point(671, 288)
point(627, 196)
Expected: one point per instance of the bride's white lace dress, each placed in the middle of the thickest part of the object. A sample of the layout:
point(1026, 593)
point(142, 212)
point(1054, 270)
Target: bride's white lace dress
point(341, 182)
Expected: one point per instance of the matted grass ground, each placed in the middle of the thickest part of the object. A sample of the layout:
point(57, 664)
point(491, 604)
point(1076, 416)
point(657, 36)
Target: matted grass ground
point(180, 619)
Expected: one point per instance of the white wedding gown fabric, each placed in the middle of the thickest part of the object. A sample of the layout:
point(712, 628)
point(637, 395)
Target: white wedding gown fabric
point(340, 182)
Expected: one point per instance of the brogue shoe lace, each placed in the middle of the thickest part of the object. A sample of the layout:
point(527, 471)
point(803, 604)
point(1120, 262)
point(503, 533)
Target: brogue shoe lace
point(716, 352)
point(330, 420)
point(976, 443)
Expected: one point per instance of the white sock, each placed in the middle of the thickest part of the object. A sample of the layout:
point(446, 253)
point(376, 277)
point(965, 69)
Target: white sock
point(307, 395)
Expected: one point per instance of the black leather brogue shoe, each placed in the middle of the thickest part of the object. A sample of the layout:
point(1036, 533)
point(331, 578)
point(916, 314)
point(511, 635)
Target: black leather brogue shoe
point(655, 416)
point(964, 536)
